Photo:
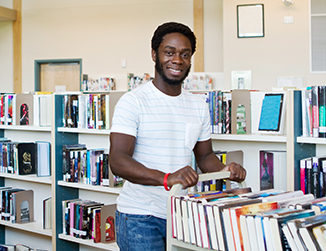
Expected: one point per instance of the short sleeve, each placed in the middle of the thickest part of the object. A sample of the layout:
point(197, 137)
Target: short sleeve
point(206, 126)
point(125, 117)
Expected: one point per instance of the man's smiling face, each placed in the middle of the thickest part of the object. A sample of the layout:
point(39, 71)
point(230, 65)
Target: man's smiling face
point(173, 58)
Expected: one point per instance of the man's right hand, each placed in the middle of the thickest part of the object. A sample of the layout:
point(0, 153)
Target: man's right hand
point(186, 176)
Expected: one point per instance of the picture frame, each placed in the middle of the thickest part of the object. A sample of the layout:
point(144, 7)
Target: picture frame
point(250, 20)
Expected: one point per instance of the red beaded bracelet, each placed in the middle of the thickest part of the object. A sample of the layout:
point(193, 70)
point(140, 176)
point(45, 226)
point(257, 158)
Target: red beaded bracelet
point(165, 181)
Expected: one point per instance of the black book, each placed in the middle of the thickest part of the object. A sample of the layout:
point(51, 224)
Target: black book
point(27, 154)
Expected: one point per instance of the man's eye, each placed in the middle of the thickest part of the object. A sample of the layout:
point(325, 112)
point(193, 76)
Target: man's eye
point(186, 55)
point(168, 53)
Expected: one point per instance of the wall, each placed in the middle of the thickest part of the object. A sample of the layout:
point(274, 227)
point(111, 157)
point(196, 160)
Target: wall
point(283, 52)
point(6, 52)
point(103, 33)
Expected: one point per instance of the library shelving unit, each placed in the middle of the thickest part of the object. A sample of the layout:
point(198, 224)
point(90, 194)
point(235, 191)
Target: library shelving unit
point(32, 233)
point(68, 190)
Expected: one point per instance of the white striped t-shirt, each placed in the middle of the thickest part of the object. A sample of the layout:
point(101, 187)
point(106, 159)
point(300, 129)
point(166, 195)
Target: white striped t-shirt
point(166, 130)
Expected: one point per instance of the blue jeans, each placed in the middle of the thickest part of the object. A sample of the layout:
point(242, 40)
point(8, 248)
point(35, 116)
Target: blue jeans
point(140, 232)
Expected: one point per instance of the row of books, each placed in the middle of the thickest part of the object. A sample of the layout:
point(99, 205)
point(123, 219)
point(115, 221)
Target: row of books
point(88, 166)
point(87, 219)
point(16, 204)
point(18, 247)
point(135, 81)
point(241, 220)
point(98, 85)
point(89, 111)
point(313, 111)
point(25, 157)
point(313, 175)
point(197, 82)
point(26, 109)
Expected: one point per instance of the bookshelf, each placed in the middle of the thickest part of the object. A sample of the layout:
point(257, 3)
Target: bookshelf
point(53, 186)
point(32, 233)
point(68, 190)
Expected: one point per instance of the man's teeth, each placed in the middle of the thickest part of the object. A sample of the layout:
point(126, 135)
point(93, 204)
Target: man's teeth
point(175, 70)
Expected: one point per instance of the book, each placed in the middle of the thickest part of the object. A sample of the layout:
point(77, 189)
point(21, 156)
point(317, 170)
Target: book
point(47, 213)
point(273, 170)
point(272, 113)
point(235, 213)
point(108, 223)
point(43, 166)
point(306, 115)
point(319, 232)
point(10, 109)
point(66, 215)
point(27, 153)
point(295, 224)
point(45, 105)
point(24, 109)
point(322, 111)
point(315, 111)
point(24, 206)
point(276, 226)
point(222, 224)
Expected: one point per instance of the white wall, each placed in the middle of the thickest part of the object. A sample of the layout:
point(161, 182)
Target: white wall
point(102, 33)
point(283, 52)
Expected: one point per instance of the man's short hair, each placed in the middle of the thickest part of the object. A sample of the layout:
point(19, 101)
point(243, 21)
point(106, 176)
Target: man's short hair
point(173, 27)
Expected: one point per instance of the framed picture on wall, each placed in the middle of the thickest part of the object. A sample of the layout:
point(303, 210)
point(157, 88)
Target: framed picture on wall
point(250, 20)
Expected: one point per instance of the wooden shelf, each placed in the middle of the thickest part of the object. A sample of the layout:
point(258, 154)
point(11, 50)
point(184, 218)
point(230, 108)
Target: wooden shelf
point(33, 227)
point(84, 131)
point(188, 246)
point(105, 246)
point(7, 14)
point(311, 140)
point(26, 128)
point(103, 189)
point(250, 137)
point(30, 178)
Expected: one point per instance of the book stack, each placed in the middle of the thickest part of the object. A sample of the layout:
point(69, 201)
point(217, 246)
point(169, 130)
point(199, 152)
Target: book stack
point(33, 109)
point(197, 82)
point(25, 157)
point(313, 175)
point(98, 85)
point(7, 109)
point(86, 111)
point(135, 81)
point(313, 111)
point(265, 220)
point(87, 219)
point(88, 166)
point(16, 204)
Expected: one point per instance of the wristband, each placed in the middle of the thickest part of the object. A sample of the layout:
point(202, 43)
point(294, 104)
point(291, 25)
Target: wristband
point(165, 181)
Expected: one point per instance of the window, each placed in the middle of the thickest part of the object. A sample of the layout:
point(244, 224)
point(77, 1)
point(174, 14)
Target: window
point(318, 35)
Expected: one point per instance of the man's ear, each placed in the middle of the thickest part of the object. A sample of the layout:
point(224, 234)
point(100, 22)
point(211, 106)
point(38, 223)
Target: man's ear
point(154, 55)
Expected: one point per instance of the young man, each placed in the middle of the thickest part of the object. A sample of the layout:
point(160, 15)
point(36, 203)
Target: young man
point(155, 129)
